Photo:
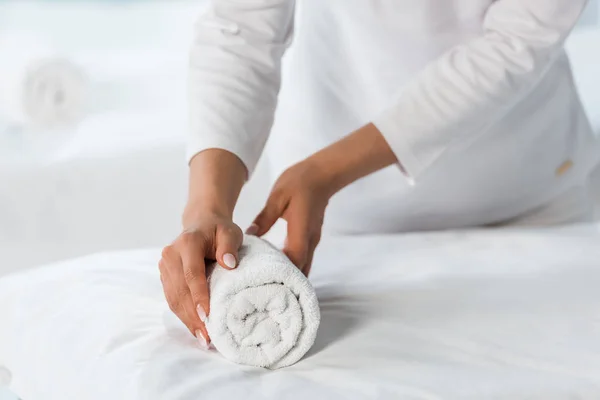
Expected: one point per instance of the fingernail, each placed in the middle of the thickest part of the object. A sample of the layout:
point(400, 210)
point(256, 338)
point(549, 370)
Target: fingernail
point(201, 313)
point(252, 230)
point(229, 260)
point(202, 340)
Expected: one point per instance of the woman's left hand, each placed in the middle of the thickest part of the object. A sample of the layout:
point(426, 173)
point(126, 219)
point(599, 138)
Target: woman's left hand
point(302, 192)
point(300, 197)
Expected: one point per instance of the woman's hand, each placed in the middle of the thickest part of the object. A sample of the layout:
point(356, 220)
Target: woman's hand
point(183, 268)
point(302, 193)
point(299, 196)
point(216, 178)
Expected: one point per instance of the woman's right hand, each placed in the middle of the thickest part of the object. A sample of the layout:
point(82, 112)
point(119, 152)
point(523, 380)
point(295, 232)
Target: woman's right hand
point(183, 268)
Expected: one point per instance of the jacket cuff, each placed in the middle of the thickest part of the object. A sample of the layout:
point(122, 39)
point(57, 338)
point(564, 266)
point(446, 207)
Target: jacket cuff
point(415, 153)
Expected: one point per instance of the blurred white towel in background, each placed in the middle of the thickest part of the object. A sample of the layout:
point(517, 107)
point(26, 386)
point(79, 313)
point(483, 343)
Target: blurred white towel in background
point(38, 88)
point(5, 378)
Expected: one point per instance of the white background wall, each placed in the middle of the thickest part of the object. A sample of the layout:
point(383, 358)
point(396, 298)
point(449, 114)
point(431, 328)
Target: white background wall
point(591, 15)
point(118, 180)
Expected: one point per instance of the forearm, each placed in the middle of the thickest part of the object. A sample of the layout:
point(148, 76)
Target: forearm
point(357, 155)
point(216, 179)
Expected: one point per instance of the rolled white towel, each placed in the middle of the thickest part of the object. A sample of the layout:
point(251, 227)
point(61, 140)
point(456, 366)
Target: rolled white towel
point(38, 87)
point(264, 313)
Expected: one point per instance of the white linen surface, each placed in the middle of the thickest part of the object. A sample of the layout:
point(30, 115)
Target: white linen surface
point(499, 314)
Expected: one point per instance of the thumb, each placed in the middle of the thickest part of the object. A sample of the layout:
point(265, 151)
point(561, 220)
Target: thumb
point(266, 218)
point(229, 241)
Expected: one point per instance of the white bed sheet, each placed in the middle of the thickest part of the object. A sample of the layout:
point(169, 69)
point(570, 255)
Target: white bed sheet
point(506, 314)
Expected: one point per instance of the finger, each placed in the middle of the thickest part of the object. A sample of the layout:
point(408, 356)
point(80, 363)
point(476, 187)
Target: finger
point(172, 300)
point(229, 241)
point(177, 300)
point(192, 250)
point(169, 258)
point(181, 296)
point(267, 217)
point(163, 273)
point(308, 266)
point(311, 252)
point(298, 240)
point(193, 314)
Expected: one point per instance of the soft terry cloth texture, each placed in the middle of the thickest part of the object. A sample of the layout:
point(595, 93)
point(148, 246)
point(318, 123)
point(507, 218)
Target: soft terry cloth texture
point(264, 313)
point(37, 86)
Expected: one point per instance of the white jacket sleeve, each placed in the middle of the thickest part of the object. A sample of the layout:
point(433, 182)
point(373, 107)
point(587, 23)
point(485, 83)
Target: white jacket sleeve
point(474, 85)
point(234, 77)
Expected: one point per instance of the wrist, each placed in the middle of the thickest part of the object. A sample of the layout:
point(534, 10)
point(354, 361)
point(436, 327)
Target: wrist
point(197, 211)
point(355, 156)
point(216, 178)
point(326, 175)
